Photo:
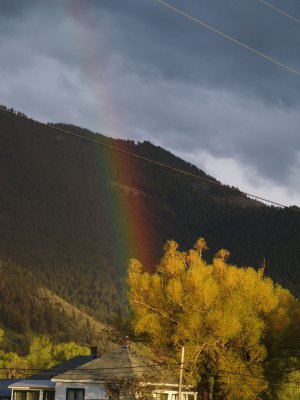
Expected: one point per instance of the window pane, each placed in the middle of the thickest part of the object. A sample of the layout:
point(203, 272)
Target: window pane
point(26, 395)
point(79, 394)
point(33, 395)
point(162, 396)
point(175, 396)
point(75, 394)
point(19, 395)
point(70, 394)
point(48, 395)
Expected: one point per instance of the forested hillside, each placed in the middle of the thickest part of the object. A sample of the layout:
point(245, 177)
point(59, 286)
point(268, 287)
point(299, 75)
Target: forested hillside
point(27, 310)
point(72, 213)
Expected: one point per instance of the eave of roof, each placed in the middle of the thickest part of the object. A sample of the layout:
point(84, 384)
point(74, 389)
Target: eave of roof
point(33, 384)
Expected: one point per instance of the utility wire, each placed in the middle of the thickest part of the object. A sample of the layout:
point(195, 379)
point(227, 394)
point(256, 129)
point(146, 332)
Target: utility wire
point(232, 39)
point(288, 384)
point(150, 161)
point(280, 11)
point(240, 377)
point(259, 378)
point(244, 377)
point(54, 370)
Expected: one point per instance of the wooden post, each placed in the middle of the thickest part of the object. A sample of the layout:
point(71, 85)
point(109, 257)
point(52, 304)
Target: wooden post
point(180, 373)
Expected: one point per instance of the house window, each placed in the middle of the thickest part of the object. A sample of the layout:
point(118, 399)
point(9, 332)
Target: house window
point(75, 394)
point(26, 395)
point(48, 394)
point(190, 397)
point(161, 396)
point(184, 396)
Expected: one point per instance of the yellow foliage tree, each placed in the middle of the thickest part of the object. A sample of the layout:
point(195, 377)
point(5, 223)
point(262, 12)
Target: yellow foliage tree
point(218, 311)
point(1, 335)
point(43, 354)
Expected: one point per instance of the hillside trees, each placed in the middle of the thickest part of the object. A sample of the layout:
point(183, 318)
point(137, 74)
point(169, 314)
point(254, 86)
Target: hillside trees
point(59, 217)
point(224, 316)
point(24, 310)
point(42, 354)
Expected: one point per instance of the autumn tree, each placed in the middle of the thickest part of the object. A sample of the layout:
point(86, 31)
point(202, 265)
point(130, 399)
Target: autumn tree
point(218, 311)
point(43, 354)
point(282, 340)
point(1, 335)
point(128, 388)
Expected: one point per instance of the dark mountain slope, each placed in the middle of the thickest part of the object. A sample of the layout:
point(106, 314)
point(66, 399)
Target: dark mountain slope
point(73, 213)
point(28, 309)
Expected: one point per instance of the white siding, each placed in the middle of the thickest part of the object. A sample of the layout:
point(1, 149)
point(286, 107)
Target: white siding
point(93, 391)
point(96, 391)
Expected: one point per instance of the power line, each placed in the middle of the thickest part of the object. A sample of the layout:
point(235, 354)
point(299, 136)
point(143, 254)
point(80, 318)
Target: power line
point(157, 163)
point(245, 376)
point(248, 378)
point(288, 384)
point(280, 11)
point(240, 377)
point(221, 371)
point(232, 39)
point(55, 371)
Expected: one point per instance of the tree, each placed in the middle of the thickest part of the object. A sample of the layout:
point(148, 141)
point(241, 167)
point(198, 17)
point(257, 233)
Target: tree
point(1, 335)
point(130, 388)
point(218, 311)
point(40, 353)
point(65, 351)
point(282, 339)
point(43, 354)
point(12, 365)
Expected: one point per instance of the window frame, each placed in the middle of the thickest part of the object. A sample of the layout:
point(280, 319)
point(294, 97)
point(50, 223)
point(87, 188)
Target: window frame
point(48, 391)
point(76, 390)
point(162, 396)
point(25, 393)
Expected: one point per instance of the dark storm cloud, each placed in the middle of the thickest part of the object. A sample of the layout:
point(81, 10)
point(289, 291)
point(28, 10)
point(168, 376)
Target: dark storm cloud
point(168, 79)
point(150, 35)
point(179, 49)
point(256, 134)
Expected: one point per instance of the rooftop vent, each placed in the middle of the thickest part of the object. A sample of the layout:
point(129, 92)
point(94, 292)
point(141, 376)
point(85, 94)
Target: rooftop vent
point(94, 351)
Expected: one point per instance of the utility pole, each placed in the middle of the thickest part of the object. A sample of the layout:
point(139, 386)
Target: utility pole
point(180, 373)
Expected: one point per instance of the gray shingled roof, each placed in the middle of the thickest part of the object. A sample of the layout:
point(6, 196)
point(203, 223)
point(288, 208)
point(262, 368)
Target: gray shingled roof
point(123, 364)
point(74, 362)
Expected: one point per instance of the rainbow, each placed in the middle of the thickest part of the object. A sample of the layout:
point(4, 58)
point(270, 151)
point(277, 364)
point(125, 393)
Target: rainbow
point(135, 235)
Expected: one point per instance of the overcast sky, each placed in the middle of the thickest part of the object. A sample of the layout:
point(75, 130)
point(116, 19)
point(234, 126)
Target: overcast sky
point(135, 69)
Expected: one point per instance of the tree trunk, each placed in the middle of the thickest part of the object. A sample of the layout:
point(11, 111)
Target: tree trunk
point(204, 387)
point(216, 395)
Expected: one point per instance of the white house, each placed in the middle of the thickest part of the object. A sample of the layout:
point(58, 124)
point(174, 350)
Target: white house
point(40, 386)
point(102, 378)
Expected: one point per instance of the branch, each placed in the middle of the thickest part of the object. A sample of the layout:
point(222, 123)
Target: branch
point(162, 314)
point(200, 351)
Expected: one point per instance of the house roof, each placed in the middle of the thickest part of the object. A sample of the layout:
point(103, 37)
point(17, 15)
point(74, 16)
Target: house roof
point(124, 364)
point(74, 362)
point(33, 384)
point(4, 387)
point(43, 379)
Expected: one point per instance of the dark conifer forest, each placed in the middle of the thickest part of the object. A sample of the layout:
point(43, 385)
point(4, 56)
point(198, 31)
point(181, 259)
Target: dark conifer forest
point(60, 226)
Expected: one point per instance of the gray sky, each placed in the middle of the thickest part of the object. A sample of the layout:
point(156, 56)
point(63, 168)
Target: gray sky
point(134, 69)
